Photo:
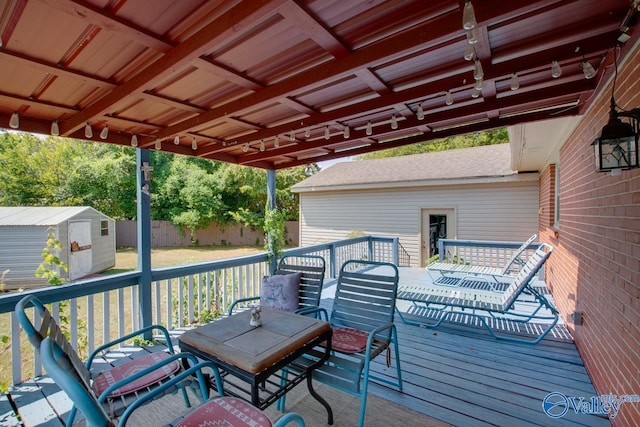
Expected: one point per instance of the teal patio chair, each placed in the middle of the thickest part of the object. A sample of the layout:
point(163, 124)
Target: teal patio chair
point(362, 318)
point(224, 411)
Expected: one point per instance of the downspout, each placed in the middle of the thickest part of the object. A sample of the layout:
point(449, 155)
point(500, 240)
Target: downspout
point(143, 186)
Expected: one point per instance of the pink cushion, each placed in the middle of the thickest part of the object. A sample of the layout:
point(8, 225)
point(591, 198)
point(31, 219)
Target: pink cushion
point(227, 412)
point(349, 340)
point(112, 376)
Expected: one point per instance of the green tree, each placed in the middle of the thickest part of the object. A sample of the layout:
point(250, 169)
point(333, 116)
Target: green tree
point(490, 137)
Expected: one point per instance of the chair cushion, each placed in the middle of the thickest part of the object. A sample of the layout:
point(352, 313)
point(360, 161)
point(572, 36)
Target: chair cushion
point(349, 340)
point(107, 378)
point(227, 412)
point(281, 291)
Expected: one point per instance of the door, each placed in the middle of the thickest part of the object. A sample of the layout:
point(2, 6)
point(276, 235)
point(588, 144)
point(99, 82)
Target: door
point(80, 259)
point(436, 224)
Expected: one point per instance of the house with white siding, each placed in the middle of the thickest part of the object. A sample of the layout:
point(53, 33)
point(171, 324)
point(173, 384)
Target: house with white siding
point(86, 235)
point(469, 193)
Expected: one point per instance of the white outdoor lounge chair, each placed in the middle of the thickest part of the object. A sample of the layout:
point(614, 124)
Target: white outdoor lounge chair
point(445, 268)
point(449, 302)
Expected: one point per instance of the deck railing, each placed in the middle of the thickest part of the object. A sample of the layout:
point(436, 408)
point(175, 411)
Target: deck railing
point(100, 309)
point(481, 252)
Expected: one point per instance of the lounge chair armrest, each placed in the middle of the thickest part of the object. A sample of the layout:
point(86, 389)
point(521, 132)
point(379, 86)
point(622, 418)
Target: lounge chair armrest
point(318, 312)
point(142, 331)
point(158, 391)
point(238, 301)
point(376, 331)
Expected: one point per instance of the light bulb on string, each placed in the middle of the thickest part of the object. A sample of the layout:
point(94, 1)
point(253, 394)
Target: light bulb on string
point(556, 71)
point(478, 72)
point(104, 133)
point(472, 36)
point(478, 85)
point(88, 131)
point(515, 82)
point(134, 140)
point(307, 132)
point(448, 99)
point(588, 70)
point(420, 113)
point(176, 140)
point(262, 145)
point(245, 147)
point(468, 52)
point(327, 135)
point(292, 135)
point(14, 122)
point(346, 133)
point(158, 145)
point(468, 16)
point(369, 129)
point(55, 128)
point(276, 142)
point(194, 143)
point(475, 93)
point(394, 122)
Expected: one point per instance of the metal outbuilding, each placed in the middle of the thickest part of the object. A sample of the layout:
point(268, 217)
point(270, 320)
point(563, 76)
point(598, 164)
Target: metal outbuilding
point(87, 237)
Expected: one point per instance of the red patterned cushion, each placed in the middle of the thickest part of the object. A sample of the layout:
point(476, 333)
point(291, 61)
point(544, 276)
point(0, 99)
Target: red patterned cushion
point(349, 340)
point(108, 378)
point(227, 412)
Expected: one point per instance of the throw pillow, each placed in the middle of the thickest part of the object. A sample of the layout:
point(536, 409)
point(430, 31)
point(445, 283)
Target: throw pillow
point(281, 291)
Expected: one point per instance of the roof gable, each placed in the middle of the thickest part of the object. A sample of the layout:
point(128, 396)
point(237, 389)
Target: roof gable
point(38, 215)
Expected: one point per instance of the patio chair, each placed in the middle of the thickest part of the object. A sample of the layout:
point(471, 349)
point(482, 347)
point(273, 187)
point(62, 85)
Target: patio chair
point(311, 269)
point(118, 386)
point(227, 411)
point(509, 268)
point(362, 320)
point(453, 302)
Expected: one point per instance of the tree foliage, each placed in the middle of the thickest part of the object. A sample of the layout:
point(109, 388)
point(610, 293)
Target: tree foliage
point(490, 137)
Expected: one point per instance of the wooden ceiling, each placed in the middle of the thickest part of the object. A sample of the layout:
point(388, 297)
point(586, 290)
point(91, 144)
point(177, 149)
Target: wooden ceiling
point(277, 83)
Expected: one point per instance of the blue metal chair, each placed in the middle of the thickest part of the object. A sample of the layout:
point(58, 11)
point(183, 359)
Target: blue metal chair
point(115, 387)
point(362, 319)
point(228, 411)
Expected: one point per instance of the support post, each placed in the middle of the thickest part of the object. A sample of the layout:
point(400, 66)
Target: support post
point(143, 187)
point(271, 205)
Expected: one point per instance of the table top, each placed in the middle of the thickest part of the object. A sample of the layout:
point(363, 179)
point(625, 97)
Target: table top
point(250, 348)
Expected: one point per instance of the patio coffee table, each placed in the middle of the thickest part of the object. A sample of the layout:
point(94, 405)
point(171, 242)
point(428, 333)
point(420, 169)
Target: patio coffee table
point(257, 355)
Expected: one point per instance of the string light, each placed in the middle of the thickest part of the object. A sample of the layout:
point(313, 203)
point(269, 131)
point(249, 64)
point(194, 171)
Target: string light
point(369, 129)
point(276, 141)
point(176, 140)
point(245, 147)
point(475, 93)
point(346, 133)
point(194, 143)
point(478, 72)
point(394, 122)
point(307, 132)
point(88, 132)
point(468, 16)
point(262, 145)
point(472, 36)
point(104, 133)
point(158, 144)
point(14, 122)
point(448, 98)
point(556, 71)
point(134, 140)
point(327, 135)
point(420, 113)
point(588, 70)
point(55, 128)
point(292, 135)
point(468, 52)
point(478, 85)
point(515, 82)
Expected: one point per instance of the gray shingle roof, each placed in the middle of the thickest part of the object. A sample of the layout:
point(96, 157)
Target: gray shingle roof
point(465, 163)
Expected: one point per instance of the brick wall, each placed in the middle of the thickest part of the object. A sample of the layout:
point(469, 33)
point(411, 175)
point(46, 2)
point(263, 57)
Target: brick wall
point(596, 262)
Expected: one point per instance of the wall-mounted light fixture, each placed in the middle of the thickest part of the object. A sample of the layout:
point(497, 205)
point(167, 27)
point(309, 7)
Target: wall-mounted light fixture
point(617, 147)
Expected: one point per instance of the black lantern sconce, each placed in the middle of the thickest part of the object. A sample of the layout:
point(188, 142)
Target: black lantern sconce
point(617, 147)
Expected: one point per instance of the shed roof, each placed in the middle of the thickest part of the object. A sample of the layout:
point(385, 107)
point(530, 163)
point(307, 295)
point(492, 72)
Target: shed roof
point(452, 166)
point(38, 215)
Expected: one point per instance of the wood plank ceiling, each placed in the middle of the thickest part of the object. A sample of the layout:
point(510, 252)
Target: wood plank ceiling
point(280, 83)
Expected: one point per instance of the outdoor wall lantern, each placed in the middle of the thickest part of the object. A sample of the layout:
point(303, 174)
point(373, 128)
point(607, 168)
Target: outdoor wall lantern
point(617, 147)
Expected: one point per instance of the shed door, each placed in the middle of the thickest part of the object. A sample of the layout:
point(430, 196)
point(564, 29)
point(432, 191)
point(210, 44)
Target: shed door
point(80, 249)
point(436, 224)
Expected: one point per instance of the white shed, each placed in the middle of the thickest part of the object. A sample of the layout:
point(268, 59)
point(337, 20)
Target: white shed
point(468, 193)
point(86, 235)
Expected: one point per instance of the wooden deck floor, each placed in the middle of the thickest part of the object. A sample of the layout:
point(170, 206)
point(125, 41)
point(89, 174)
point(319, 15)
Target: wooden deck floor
point(456, 374)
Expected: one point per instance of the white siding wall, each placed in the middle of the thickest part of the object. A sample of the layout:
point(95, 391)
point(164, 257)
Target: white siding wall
point(506, 211)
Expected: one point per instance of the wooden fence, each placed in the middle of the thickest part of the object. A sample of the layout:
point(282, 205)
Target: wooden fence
point(164, 234)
